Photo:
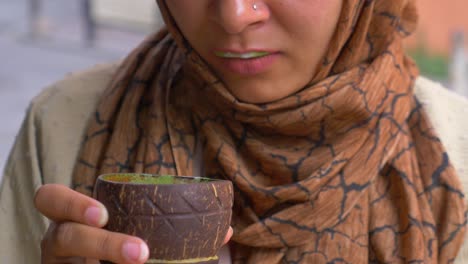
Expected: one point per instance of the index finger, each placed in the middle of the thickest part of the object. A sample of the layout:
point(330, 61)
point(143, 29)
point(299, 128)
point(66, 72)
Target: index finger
point(60, 203)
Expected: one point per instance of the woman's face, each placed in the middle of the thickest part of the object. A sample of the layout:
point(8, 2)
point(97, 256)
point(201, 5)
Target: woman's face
point(263, 50)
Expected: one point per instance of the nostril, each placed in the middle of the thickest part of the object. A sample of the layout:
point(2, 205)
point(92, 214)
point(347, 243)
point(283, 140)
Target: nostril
point(235, 16)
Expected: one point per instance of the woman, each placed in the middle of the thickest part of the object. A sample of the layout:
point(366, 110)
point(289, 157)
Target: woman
point(308, 107)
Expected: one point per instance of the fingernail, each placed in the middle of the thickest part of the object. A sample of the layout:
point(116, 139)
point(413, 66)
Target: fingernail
point(228, 235)
point(135, 251)
point(96, 216)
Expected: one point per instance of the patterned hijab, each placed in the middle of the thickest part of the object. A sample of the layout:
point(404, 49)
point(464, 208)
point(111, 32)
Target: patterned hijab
point(347, 170)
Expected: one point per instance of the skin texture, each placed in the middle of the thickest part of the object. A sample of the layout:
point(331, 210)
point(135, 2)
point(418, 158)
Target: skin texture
point(298, 30)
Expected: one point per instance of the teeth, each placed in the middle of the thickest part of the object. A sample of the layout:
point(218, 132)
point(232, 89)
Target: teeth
point(248, 55)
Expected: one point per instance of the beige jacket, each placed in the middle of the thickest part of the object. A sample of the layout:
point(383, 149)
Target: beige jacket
point(49, 140)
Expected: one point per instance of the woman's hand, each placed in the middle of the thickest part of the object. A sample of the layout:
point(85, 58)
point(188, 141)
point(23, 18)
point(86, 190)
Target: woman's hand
point(76, 234)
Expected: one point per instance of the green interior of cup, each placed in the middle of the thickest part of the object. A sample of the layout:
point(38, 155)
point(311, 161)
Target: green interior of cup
point(153, 179)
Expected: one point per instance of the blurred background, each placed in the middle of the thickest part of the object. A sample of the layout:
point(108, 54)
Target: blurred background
point(43, 40)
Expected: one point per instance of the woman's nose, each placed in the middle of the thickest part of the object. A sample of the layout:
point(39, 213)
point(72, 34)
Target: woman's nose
point(235, 16)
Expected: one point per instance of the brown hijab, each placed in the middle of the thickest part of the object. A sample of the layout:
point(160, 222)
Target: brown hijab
point(348, 170)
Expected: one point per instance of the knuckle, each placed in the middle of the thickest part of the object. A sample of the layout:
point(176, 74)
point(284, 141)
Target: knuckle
point(103, 245)
point(67, 208)
point(64, 235)
point(46, 239)
point(49, 244)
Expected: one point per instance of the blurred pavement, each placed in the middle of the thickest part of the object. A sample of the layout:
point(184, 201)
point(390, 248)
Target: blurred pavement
point(29, 64)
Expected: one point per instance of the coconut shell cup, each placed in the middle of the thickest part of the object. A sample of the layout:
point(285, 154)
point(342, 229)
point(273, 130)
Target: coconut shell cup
point(182, 219)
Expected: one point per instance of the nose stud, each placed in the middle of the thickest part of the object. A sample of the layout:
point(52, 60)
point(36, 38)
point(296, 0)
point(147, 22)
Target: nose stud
point(255, 7)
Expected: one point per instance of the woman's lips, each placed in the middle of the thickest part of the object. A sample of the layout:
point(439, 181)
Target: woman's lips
point(249, 66)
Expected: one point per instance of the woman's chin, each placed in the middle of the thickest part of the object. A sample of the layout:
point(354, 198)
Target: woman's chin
point(261, 91)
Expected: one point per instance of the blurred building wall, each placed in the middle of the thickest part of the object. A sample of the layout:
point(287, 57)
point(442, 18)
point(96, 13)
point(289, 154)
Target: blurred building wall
point(127, 13)
point(438, 21)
